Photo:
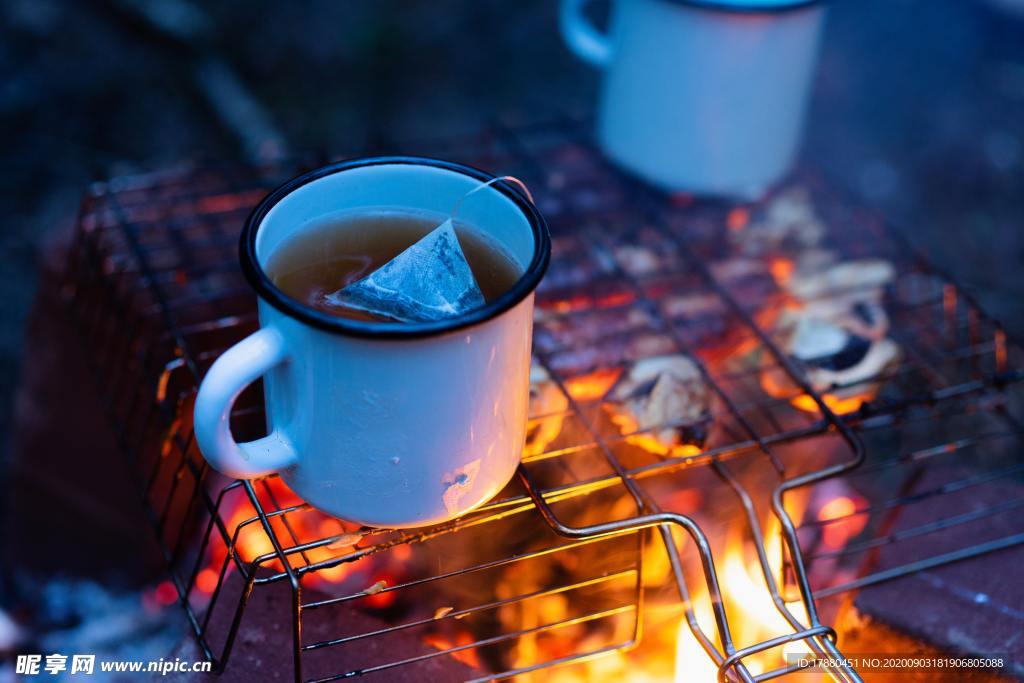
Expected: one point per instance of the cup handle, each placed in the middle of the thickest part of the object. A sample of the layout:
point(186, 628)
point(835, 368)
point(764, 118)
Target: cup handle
point(239, 366)
point(582, 37)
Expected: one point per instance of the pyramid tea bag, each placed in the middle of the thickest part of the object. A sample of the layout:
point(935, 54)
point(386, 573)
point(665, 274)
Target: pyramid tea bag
point(429, 281)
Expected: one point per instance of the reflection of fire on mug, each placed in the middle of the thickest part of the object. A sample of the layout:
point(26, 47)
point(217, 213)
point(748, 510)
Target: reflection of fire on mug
point(703, 96)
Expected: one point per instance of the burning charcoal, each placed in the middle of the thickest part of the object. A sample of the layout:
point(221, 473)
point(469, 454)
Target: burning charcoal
point(864, 318)
point(664, 391)
point(848, 294)
point(838, 330)
point(836, 357)
point(598, 293)
point(833, 353)
point(818, 342)
point(789, 222)
point(430, 280)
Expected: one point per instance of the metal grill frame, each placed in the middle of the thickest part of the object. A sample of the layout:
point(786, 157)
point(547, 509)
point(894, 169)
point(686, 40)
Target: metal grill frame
point(113, 274)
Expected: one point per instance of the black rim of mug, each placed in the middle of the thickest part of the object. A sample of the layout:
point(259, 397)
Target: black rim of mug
point(269, 292)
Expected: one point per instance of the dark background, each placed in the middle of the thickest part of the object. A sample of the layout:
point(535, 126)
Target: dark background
point(918, 106)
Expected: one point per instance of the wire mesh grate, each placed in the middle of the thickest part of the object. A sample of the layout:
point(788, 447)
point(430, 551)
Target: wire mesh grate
point(611, 516)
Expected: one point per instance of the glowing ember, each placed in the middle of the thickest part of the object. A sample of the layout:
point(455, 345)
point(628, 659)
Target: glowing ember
point(467, 656)
point(592, 386)
point(615, 299)
point(206, 580)
point(378, 597)
point(648, 442)
point(567, 305)
point(776, 383)
point(843, 521)
point(304, 524)
point(166, 593)
point(781, 270)
point(839, 406)
point(737, 219)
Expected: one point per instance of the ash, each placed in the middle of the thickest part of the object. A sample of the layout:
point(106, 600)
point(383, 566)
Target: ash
point(79, 616)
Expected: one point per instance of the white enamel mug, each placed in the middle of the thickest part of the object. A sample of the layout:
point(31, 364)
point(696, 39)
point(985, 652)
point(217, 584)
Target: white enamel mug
point(385, 424)
point(703, 96)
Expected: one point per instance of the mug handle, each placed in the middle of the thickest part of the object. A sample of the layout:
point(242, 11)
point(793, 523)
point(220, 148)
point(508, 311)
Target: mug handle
point(238, 367)
point(582, 37)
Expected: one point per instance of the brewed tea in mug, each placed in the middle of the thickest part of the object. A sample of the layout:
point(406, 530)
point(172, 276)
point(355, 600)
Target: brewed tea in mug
point(336, 252)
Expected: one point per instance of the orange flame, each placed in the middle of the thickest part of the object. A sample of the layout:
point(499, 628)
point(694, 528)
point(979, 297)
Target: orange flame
point(677, 656)
point(649, 442)
point(753, 615)
point(594, 385)
point(468, 656)
point(839, 406)
point(253, 541)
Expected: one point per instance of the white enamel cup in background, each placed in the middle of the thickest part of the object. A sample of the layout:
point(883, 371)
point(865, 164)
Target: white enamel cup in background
point(385, 424)
point(703, 96)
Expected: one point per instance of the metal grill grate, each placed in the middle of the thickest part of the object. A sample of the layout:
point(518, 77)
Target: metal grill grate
point(154, 284)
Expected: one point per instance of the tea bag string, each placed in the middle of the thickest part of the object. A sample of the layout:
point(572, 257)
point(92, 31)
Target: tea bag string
point(511, 179)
